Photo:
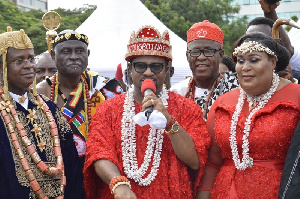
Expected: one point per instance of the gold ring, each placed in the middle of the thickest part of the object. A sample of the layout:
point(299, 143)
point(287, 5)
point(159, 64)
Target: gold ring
point(152, 102)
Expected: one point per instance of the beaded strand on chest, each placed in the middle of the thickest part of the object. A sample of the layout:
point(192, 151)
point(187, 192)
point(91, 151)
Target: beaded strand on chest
point(8, 108)
point(247, 161)
point(154, 144)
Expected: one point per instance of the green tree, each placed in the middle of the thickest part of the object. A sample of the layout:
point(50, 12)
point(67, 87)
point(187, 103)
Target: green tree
point(294, 18)
point(72, 19)
point(180, 15)
point(31, 22)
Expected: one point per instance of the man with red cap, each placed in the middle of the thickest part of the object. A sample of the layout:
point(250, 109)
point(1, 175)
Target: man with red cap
point(204, 53)
point(131, 156)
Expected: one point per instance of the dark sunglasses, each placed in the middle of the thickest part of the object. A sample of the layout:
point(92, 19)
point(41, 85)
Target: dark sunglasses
point(141, 67)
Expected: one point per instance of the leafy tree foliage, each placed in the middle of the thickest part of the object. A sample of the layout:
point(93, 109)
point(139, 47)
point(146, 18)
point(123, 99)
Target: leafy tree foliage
point(180, 15)
point(31, 22)
point(294, 18)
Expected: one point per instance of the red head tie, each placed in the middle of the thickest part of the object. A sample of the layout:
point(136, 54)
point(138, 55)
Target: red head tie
point(205, 30)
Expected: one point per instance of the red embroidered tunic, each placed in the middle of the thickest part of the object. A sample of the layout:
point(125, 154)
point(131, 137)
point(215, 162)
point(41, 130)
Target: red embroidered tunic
point(271, 131)
point(173, 179)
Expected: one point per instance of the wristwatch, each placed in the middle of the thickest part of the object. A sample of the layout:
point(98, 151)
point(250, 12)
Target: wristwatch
point(174, 128)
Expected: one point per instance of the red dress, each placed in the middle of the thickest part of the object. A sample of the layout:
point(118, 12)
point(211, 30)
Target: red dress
point(271, 131)
point(173, 179)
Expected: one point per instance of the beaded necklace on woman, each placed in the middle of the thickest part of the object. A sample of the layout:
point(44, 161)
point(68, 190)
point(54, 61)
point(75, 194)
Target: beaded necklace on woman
point(86, 97)
point(255, 103)
point(154, 147)
point(8, 111)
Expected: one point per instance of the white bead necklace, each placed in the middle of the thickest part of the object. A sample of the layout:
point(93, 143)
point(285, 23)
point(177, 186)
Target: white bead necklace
point(155, 141)
point(247, 161)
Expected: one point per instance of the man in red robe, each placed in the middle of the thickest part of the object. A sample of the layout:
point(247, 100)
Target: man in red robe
point(163, 157)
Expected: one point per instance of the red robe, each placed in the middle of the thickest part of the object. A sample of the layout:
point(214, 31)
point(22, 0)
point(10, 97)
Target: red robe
point(271, 131)
point(173, 179)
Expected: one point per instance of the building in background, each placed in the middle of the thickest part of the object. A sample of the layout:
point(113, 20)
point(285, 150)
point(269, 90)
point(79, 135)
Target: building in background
point(27, 5)
point(252, 9)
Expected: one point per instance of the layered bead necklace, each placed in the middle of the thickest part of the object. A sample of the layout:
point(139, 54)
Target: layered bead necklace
point(6, 109)
point(190, 93)
point(262, 100)
point(155, 142)
point(86, 98)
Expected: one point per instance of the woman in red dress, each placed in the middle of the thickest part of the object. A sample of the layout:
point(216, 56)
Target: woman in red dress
point(252, 126)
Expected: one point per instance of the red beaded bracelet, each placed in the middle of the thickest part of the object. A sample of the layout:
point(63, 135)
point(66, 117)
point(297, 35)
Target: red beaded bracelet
point(170, 124)
point(115, 180)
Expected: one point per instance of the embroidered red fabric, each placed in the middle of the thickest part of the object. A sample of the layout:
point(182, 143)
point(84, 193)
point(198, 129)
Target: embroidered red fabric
point(173, 179)
point(270, 135)
point(205, 30)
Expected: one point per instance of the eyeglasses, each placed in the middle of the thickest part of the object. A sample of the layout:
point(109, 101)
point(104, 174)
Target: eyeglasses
point(21, 62)
point(206, 52)
point(141, 67)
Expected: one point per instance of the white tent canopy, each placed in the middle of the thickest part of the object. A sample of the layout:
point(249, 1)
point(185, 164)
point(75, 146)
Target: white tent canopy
point(294, 35)
point(109, 28)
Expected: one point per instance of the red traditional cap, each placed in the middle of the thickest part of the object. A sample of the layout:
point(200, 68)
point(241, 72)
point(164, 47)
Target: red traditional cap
point(119, 73)
point(148, 42)
point(205, 30)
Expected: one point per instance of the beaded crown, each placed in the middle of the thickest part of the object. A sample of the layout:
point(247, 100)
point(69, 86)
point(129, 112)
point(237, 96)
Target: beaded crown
point(205, 30)
point(14, 39)
point(69, 36)
point(250, 46)
point(147, 41)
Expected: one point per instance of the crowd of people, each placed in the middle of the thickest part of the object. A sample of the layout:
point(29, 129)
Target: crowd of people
point(231, 130)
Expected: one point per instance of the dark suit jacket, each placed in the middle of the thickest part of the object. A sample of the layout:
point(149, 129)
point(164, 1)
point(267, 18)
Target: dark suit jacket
point(290, 180)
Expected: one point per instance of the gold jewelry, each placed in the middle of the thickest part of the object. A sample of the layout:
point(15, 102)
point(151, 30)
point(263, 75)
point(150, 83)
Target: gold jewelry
point(253, 101)
point(86, 98)
point(252, 46)
point(12, 39)
point(174, 128)
point(190, 93)
point(51, 22)
point(120, 183)
point(41, 165)
point(56, 89)
point(22, 99)
point(252, 104)
point(152, 102)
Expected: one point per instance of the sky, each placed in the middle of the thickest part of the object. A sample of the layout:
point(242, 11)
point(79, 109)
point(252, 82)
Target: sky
point(69, 4)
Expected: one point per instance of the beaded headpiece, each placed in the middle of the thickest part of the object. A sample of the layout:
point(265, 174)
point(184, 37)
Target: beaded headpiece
point(69, 36)
point(148, 42)
point(12, 39)
point(250, 46)
point(205, 30)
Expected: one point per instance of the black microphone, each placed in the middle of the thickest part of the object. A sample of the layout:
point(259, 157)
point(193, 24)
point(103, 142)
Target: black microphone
point(148, 86)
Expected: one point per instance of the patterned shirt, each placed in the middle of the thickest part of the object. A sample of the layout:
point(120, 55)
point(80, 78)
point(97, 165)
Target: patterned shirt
point(227, 83)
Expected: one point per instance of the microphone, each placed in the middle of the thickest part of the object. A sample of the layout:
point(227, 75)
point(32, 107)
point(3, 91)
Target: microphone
point(148, 86)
